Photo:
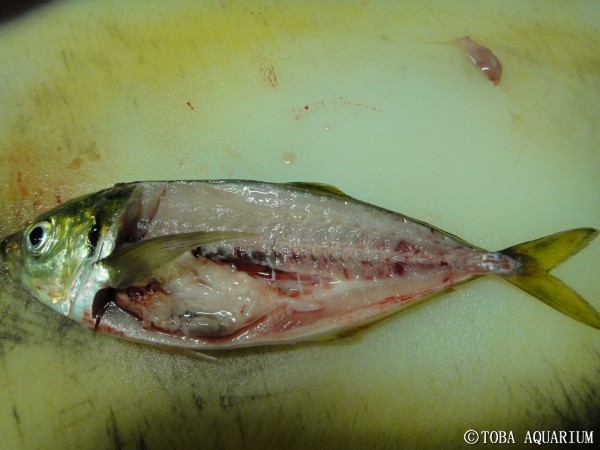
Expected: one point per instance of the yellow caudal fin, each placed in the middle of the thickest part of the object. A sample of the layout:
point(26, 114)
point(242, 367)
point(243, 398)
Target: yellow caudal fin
point(538, 257)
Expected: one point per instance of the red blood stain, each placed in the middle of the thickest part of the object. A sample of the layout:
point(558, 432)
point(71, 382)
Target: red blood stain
point(269, 75)
point(346, 102)
point(396, 299)
point(402, 247)
point(58, 199)
point(22, 189)
point(399, 269)
point(301, 112)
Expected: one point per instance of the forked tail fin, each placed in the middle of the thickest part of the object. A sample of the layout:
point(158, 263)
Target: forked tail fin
point(538, 257)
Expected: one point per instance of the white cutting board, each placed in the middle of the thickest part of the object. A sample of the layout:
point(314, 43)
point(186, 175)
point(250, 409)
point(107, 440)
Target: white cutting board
point(371, 96)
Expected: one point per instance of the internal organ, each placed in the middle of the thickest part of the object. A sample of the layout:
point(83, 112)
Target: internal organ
point(212, 292)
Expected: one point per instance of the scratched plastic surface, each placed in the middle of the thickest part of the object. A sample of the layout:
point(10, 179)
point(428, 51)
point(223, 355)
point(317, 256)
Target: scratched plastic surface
point(371, 96)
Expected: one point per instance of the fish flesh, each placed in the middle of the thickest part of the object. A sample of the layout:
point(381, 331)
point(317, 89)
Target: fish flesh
point(482, 58)
point(233, 263)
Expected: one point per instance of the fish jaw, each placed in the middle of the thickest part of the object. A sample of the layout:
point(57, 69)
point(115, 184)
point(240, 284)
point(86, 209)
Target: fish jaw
point(56, 291)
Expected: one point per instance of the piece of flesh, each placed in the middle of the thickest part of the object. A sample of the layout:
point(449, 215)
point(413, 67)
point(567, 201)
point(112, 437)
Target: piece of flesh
point(482, 57)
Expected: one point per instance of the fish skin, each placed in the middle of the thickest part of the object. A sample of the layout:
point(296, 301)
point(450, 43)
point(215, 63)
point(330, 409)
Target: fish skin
point(300, 261)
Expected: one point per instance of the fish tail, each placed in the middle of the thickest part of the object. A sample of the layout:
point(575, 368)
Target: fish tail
point(536, 258)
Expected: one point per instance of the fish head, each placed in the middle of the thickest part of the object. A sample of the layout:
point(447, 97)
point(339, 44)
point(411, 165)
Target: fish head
point(47, 256)
point(53, 256)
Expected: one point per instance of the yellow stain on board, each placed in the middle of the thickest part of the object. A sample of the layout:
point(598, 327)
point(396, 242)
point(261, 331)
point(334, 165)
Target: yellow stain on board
point(54, 126)
point(161, 59)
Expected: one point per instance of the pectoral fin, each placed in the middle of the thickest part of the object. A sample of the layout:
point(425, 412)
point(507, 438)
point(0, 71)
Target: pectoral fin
point(137, 262)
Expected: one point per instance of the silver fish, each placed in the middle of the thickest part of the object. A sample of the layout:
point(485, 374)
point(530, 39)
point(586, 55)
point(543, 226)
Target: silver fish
point(230, 263)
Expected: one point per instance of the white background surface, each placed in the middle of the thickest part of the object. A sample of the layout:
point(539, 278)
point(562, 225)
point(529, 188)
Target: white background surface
point(94, 93)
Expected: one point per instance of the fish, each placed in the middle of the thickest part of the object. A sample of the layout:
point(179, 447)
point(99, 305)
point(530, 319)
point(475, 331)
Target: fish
point(220, 264)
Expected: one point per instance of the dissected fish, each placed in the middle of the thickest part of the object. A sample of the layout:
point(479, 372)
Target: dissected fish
point(226, 263)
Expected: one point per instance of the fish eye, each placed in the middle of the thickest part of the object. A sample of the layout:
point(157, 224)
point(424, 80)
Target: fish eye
point(38, 238)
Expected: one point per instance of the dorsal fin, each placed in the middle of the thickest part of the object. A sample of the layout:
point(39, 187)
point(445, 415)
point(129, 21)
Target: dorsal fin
point(319, 189)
